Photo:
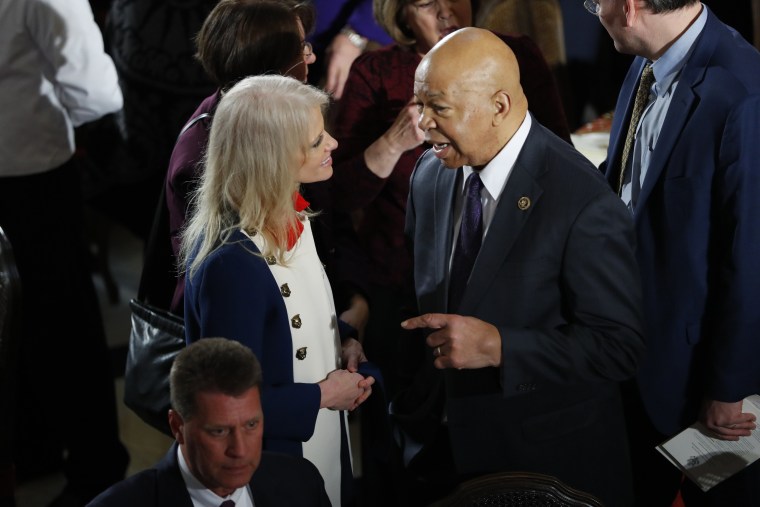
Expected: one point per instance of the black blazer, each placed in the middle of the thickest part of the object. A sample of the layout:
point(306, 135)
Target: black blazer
point(279, 480)
point(556, 274)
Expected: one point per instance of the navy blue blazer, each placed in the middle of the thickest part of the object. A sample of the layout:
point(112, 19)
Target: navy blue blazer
point(549, 276)
point(279, 480)
point(698, 231)
point(235, 295)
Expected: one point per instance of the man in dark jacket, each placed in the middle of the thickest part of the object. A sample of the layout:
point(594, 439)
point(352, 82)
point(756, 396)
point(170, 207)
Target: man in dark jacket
point(218, 423)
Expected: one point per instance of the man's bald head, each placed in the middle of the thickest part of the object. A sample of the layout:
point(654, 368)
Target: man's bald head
point(474, 55)
point(475, 75)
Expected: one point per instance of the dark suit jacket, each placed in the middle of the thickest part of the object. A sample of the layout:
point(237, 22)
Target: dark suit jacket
point(698, 231)
point(559, 281)
point(279, 480)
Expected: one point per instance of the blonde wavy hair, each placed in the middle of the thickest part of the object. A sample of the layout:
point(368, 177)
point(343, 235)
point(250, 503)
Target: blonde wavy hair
point(258, 141)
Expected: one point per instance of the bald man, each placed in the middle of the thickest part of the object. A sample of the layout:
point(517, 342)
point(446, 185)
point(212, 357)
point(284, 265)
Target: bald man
point(548, 322)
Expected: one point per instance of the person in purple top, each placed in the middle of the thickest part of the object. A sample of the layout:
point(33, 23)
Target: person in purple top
point(269, 39)
point(276, 45)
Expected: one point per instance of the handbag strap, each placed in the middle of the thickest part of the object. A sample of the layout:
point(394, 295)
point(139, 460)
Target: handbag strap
point(193, 122)
point(156, 263)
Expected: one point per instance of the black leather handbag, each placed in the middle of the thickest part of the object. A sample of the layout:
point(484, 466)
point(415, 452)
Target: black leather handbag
point(157, 337)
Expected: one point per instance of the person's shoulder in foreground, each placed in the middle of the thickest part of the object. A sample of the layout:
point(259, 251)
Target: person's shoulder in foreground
point(280, 479)
point(217, 420)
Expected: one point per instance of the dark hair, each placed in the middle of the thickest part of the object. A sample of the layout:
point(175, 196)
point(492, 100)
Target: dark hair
point(305, 12)
point(211, 365)
point(658, 6)
point(242, 38)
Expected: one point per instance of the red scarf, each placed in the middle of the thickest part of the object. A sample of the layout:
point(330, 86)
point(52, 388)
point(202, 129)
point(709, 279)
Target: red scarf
point(299, 204)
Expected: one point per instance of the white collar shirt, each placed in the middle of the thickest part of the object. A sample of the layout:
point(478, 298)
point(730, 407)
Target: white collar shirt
point(494, 177)
point(54, 76)
point(201, 496)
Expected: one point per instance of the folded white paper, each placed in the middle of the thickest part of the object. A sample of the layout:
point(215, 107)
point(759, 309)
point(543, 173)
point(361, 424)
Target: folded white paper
point(708, 461)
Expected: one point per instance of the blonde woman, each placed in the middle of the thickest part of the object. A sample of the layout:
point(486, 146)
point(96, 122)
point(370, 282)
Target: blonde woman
point(253, 274)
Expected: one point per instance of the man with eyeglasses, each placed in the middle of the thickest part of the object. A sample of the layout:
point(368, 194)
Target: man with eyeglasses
point(592, 6)
point(688, 171)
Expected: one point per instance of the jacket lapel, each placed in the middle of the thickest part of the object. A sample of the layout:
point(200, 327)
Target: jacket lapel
point(678, 113)
point(680, 109)
point(620, 122)
point(171, 488)
point(509, 219)
point(446, 186)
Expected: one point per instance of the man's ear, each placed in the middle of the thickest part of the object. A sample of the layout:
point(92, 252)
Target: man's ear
point(176, 423)
point(502, 104)
point(631, 11)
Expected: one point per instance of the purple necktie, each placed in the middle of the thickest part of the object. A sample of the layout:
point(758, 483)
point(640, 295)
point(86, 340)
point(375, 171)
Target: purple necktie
point(468, 242)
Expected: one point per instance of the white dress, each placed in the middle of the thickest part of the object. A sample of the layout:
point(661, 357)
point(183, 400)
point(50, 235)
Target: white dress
point(316, 346)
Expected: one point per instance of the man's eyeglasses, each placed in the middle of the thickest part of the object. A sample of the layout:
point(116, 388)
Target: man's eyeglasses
point(592, 6)
point(307, 49)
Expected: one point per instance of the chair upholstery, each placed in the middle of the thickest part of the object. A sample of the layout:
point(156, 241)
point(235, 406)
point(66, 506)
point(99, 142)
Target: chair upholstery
point(517, 489)
point(10, 292)
point(541, 20)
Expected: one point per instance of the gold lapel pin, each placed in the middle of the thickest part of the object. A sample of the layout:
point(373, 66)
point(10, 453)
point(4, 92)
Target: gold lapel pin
point(523, 203)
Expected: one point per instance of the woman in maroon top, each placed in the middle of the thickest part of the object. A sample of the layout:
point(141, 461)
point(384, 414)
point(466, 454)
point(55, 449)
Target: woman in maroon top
point(379, 143)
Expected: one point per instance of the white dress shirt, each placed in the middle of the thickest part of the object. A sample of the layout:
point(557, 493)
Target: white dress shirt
point(54, 76)
point(494, 177)
point(202, 496)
